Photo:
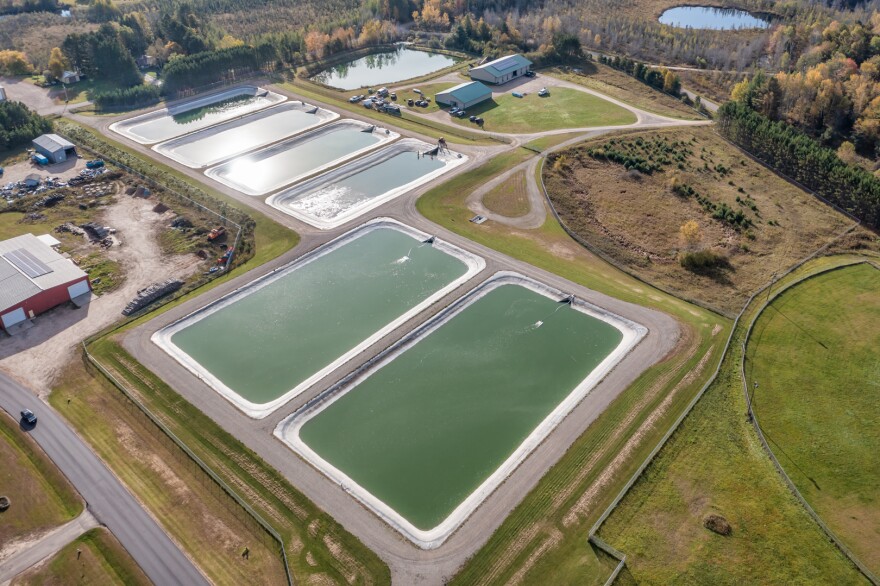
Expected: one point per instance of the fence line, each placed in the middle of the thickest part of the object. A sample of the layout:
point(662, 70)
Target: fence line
point(754, 419)
point(155, 420)
point(595, 539)
point(174, 192)
point(198, 461)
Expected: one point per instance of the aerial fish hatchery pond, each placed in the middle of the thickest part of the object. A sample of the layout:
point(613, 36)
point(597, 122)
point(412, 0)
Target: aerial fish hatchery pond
point(224, 141)
point(167, 123)
point(267, 342)
point(428, 431)
point(279, 165)
point(361, 185)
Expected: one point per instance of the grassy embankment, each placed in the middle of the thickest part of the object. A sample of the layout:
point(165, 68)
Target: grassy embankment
point(186, 501)
point(630, 195)
point(40, 496)
point(814, 353)
point(546, 534)
point(625, 88)
point(93, 558)
point(714, 464)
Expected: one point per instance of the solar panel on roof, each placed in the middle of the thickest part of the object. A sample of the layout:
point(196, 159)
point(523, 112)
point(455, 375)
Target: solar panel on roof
point(27, 263)
point(506, 63)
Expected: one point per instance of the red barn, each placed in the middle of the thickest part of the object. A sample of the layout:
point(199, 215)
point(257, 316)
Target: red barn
point(34, 278)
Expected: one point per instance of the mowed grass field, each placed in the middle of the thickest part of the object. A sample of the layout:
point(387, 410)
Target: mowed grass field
point(41, 498)
point(510, 198)
point(93, 558)
point(714, 465)
point(635, 217)
point(563, 108)
point(814, 355)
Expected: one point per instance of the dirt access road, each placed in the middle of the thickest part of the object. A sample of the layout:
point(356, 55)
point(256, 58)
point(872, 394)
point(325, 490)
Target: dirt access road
point(36, 356)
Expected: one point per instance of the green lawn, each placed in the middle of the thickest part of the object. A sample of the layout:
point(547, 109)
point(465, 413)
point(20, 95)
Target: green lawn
point(546, 534)
point(563, 108)
point(40, 496)
point(814, 354)
point(93, 558)
point(714, 464)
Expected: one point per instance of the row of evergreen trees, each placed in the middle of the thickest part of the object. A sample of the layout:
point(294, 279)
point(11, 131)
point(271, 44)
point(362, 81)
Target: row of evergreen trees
point(19, 126)
point(664, 80)
point(802, 158)
point(138, 96)
point(203, 68)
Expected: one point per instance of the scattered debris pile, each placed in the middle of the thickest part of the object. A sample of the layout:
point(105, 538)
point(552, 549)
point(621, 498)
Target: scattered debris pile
point(149, 294)
point(181, 222)
point(96, 231)
point(71, 228)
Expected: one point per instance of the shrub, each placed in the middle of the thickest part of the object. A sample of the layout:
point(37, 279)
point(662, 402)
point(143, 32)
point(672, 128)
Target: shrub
point(703, 261)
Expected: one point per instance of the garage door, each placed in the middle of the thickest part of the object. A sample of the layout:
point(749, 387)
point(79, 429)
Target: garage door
point(78, 289)
point(13, 317)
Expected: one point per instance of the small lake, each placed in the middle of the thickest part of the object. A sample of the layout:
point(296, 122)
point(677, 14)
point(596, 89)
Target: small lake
point(711, 18)
point(384, 68)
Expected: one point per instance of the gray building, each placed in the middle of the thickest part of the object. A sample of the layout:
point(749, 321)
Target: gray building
point(501, 70)
point(54, 148)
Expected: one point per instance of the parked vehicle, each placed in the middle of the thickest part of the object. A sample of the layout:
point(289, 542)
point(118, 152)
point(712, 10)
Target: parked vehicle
point(368, 103)
point(40, 159)
point(216, 233)
point(517, 94)
point(96, 164)
point(479, 121)
point(383, 91)
point(530, 73)
point(473, 118)
point(415, 91)
point(543, 92)
point(410, 102)
point(354, 99)
point(453, 110)
point(393, 96)
point(460, 114)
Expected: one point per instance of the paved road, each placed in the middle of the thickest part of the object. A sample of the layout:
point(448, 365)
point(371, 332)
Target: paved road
point(46, 546)
point(108, 500)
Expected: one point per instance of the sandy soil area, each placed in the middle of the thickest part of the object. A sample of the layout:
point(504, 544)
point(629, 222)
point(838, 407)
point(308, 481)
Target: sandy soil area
point(36, 356)
point(65, 170)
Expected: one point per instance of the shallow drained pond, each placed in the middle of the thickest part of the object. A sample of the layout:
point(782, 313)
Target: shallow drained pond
point(711, 18)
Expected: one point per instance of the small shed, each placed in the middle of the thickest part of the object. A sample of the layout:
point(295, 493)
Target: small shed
point(54, 148)
point(501, 70)
point(2, 94)
point(146, 61)
point(69, 77)
point(464, 95)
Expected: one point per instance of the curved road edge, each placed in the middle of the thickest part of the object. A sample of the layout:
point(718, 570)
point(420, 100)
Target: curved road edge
point(107, 499)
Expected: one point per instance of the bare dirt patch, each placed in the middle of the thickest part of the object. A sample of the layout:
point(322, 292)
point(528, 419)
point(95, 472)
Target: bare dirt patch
point(632, 207)
point(37, 355)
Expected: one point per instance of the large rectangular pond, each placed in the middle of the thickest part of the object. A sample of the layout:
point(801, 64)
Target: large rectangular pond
point(438, 421)
point(196, 114)
point(289, 161)
point(355, 188)
point(224, 141)
point(384, 68)
point(269, 341)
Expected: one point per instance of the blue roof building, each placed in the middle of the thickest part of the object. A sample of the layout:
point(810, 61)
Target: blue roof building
point(464, 95)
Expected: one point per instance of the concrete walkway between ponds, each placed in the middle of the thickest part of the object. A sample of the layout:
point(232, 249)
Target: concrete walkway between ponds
point(45, 546)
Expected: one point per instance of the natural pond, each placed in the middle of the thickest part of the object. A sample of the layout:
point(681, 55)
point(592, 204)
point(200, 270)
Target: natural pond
point(711, 18)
